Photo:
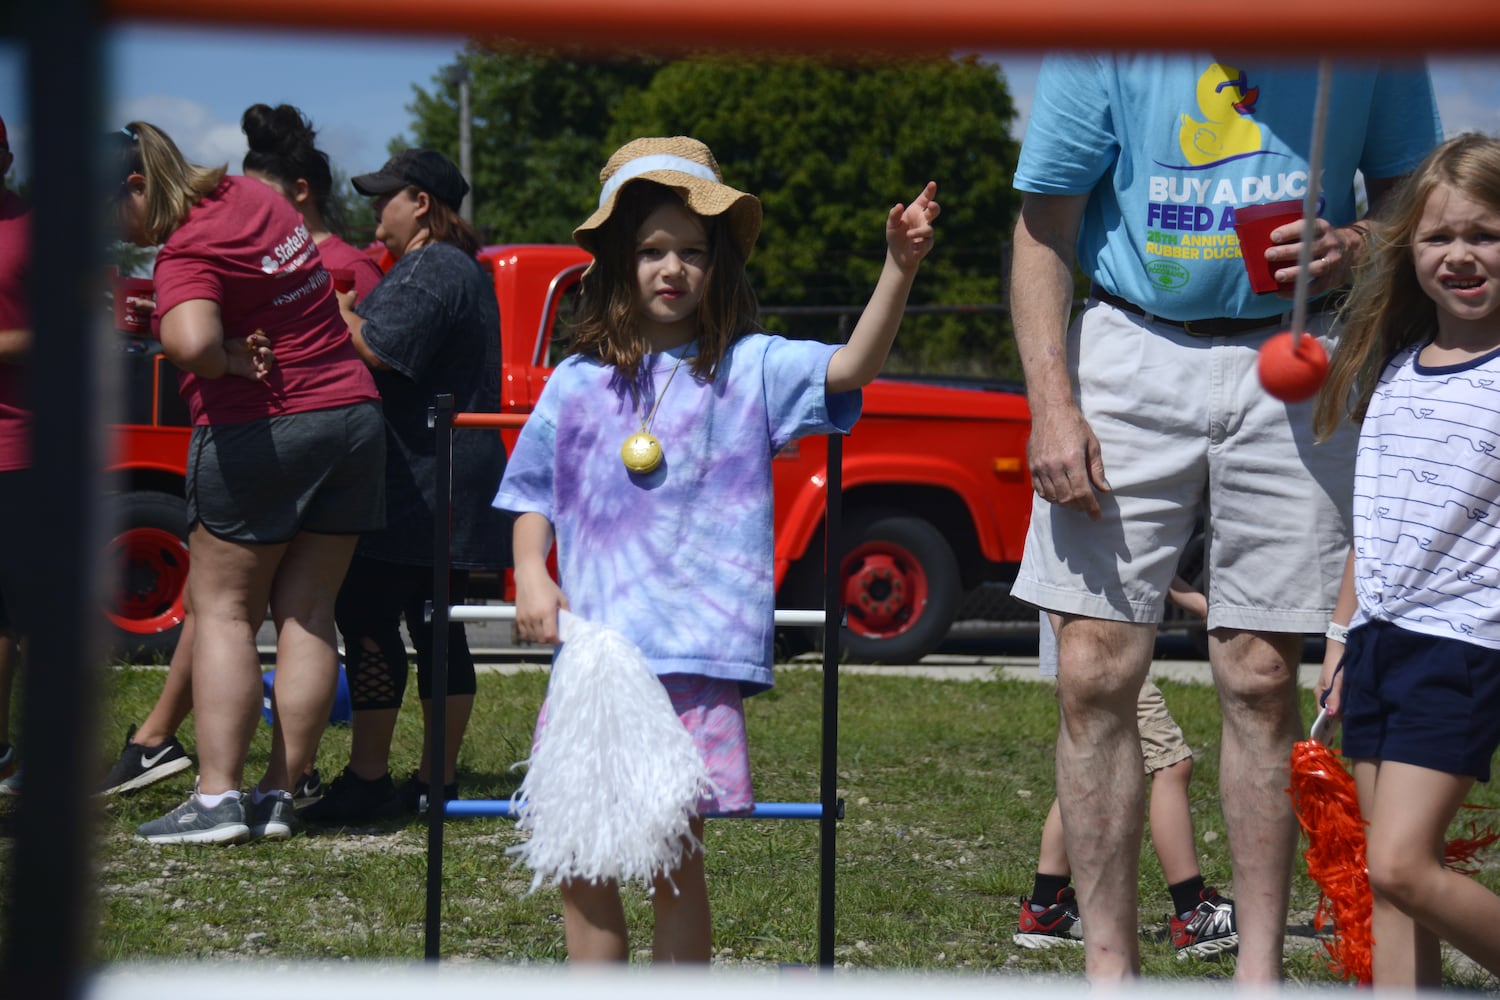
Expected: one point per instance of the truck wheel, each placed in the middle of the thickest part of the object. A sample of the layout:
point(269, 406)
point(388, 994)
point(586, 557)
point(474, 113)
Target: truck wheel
point(901, 588)
point(149, 559)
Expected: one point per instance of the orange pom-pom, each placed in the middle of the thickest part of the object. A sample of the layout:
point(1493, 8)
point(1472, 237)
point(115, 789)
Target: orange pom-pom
point(1327, 807)
point(1292, 366)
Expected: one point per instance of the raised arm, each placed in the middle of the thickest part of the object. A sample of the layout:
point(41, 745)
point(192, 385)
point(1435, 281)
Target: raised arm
point(908, 238)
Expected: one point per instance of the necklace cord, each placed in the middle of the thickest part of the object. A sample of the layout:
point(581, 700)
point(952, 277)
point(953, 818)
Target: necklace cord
point(646, 421)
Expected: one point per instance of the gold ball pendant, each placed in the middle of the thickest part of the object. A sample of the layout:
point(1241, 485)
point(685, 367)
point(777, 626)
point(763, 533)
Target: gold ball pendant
point(641, 453)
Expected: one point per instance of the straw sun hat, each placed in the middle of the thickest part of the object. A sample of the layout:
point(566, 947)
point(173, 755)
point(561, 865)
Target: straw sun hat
point(686, 166)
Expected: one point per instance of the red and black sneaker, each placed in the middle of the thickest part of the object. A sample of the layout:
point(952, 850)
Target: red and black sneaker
point(1056, 925)
point(1208, 929)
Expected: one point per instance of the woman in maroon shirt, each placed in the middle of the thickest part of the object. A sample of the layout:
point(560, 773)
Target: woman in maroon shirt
point(285, 468)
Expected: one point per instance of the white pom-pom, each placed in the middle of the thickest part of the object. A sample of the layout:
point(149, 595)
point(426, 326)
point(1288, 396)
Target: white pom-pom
point(615, 779)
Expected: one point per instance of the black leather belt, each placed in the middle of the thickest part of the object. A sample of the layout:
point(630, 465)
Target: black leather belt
point(1217, 326)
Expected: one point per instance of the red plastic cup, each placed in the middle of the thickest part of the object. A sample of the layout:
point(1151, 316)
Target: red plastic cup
point(128, 320)
point(343, 279)
point(1254, 224)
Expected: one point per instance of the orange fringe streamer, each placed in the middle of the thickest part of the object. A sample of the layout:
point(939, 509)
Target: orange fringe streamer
point(1327, 808)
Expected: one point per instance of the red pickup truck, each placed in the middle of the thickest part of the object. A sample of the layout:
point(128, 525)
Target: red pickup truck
point(936, 492)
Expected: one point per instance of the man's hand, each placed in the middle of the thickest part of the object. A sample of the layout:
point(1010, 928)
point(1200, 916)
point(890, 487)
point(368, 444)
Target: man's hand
point(1332, 262)
point(1067, 467)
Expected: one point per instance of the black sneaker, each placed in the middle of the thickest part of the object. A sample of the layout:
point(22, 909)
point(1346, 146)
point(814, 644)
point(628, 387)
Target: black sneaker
point(309, 789)
point(413, 793)
point(351, 799)
point(140, 766)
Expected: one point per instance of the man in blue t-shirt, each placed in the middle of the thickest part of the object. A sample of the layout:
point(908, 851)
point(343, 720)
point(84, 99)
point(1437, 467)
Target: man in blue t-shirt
point(1147, 415)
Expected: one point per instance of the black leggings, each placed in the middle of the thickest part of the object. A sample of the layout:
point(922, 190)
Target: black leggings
point(375, 596)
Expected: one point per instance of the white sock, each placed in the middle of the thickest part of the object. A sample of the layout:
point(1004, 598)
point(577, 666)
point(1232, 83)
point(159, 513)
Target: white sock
point(218, 798)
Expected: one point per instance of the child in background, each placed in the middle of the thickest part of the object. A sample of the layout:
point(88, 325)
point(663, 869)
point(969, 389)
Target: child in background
point(1202, 921)
point(668, 539)
point(1413, 664)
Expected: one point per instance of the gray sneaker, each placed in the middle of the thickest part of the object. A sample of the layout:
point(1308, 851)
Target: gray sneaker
point(194, 823)
point(272, 818)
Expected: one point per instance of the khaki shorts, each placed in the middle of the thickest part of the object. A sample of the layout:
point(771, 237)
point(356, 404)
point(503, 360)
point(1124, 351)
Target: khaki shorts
point(1185, 428)
point(1162, 742)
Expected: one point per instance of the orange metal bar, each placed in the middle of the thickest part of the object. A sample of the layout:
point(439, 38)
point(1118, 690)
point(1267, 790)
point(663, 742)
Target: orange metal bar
point(1345, 27)
point(488, 419)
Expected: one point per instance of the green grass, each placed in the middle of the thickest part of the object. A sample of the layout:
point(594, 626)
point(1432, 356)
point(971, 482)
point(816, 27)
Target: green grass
point(946, 785)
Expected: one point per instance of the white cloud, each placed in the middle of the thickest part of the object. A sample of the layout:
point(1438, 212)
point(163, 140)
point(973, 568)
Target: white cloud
point(202, 138)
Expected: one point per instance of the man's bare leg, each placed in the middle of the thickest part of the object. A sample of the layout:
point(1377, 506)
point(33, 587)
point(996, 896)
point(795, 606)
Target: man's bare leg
point(1101, 783)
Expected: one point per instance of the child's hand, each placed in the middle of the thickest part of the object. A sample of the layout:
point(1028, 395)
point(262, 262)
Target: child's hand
point(1329, 689)
point(908, 229)
point(538, 599)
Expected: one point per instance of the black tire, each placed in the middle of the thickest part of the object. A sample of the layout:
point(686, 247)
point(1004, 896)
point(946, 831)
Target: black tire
point(901, 588)
point(146, 559)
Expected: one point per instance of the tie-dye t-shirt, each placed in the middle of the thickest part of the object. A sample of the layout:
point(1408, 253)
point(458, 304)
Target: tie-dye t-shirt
point(679, 560)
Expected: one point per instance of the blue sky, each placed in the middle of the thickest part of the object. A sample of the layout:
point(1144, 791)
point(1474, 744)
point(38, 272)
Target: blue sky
point(356, 87)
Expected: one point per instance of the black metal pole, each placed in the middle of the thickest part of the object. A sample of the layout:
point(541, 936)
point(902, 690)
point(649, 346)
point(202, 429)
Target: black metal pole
point(67, 387)
point(833, 585)
point(441, 418)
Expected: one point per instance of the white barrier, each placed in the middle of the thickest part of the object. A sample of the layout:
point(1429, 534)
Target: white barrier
point(507, 613)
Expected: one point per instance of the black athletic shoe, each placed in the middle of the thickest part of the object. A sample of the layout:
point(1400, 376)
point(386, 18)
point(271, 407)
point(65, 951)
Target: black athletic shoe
point(140, 766)
point(309, 789)
point(350, 799)
point(413, 793)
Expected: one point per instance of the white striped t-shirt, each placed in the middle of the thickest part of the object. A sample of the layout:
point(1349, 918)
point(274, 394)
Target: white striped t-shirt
point(1427, 500)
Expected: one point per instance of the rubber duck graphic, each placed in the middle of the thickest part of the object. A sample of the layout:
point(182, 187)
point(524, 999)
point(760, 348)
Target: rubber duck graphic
point(1226, 100)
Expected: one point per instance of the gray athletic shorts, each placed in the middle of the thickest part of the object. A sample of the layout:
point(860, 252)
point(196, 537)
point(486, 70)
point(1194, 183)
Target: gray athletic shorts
point(263, 481)
point(1184, 426)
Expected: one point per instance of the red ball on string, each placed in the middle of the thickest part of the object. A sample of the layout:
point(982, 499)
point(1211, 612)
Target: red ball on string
point(1292, 366)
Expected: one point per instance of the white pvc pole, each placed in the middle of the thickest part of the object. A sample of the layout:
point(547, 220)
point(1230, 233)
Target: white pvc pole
point(507, 613)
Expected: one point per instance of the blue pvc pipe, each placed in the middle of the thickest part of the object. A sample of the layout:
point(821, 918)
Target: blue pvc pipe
point(761, 810)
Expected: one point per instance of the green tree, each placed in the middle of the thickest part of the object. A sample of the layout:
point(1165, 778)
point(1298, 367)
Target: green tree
point(539, 121)
point(829, 148)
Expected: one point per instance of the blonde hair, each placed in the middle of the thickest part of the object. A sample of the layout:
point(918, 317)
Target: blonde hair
point(173, 185)
point(1388, 311)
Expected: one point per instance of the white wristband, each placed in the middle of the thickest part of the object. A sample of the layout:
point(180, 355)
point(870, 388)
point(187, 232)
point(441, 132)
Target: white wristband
point(1337, 632)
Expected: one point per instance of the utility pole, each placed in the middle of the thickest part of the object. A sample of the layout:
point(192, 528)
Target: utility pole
point(457, 75)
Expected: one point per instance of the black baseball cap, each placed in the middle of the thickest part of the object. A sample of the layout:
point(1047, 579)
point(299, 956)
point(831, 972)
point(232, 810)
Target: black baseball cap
point(424, 168)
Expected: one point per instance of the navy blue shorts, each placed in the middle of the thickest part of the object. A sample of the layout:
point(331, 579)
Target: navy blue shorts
point(1420, 699)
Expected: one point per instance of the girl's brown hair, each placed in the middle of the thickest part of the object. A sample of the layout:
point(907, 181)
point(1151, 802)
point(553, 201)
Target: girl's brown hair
point(1388, 311)
point(173, 185)
point(607, 328)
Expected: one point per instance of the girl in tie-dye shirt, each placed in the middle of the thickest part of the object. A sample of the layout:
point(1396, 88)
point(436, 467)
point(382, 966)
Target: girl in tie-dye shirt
point(649, 458)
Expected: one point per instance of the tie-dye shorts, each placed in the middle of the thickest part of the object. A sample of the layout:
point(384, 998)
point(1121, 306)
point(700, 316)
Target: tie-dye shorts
point(714, 714)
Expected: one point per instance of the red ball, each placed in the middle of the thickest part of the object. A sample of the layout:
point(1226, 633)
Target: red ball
point(1293, 366)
